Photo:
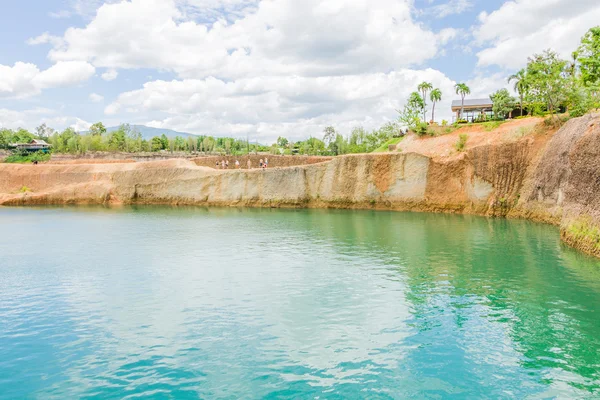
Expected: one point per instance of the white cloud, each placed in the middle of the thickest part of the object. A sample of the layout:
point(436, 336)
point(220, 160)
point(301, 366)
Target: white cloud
point(25, 79)
point(96, 98)
point(64, 73)
point(110, 75)
point(280, 37)
point(450, 8)
point(521, 28)
point(45, 38)
point(266, 107)
point(80, 125)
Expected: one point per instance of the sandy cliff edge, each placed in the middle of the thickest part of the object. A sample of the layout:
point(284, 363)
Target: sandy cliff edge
point(554, 179)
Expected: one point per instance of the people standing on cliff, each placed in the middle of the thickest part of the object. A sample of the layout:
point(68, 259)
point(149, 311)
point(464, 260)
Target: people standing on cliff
point(249, 164)
point(260, 163)
point(217, 165)
point(227, 164)
point(237, 164)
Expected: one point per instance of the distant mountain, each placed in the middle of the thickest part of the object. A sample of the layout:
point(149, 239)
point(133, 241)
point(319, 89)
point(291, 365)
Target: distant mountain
point(149, 132)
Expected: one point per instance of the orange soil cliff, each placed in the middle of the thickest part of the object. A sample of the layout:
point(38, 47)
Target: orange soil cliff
point(553, 178)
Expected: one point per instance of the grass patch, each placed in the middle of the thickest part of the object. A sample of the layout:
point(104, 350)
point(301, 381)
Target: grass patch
point(25, 189)
point(584, 231)
point(462, 142)
point(386, 146)
point(491, 125)
point(23, 158)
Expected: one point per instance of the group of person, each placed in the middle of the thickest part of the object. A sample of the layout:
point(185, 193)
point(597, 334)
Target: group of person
point(224, 164)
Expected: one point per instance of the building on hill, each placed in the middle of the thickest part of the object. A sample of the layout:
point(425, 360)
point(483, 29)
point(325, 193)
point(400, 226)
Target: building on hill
point(473, 108)
point(33, 146)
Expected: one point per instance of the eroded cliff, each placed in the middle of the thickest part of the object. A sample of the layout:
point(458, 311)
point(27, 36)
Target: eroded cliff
point(551, 178)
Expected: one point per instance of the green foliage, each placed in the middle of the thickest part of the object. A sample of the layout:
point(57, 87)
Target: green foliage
point(584, 231)
point(24, 189)
point(503, 102)
point(421, 129)
point(410, 116)
point(424, 88)
point(282, 142)
point(25, 157)
point(444, 122)
point(386, 146)
point(462, 142)
point(547, 79)
point(435, 97)
point(97, 129)
point(491, 125)
point(588, 56)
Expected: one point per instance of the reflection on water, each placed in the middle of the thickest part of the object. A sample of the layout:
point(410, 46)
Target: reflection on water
point(227, 303)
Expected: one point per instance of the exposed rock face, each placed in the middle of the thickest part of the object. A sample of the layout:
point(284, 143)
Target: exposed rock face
point(556, 181)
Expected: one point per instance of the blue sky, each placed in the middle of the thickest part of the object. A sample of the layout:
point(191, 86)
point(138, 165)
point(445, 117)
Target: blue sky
point(263, 67)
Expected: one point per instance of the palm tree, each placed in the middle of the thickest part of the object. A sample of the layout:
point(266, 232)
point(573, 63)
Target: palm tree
point(424, 87)
point(435, 96)
point(463, 90)
point(521, 85)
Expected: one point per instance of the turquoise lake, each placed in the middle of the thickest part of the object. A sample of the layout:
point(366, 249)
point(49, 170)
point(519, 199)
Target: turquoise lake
point(187, 303)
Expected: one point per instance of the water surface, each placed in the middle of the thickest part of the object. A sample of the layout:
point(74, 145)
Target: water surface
point(226, 303)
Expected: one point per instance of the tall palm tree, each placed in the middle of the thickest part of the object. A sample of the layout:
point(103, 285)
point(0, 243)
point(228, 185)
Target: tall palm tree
point(521, 85)
point(463, 90)
point(435, 96)
point(424, 87)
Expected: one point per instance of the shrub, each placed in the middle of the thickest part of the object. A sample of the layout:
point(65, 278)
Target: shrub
point(461, 121)
point(462, 142)
point(491, 125)
point(421, 129)
point(22, 158)
point(24, 189)
point(444, 122)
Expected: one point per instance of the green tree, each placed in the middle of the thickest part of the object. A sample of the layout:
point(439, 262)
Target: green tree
point(410, 116)
point(521, 85)
point(503, 103)
point(423, 88)
point(329, 135)
point(156, 144)
point(463, 90)
point(282, 142)
point(97, 129)
point(435, 96)
point(588, 56)
point(117, 140)
point(547, 78)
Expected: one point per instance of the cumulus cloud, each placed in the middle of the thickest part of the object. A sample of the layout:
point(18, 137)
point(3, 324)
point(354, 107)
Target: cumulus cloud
point(25, 79)
point(96, 98)
point(522, 27)
point(267, 107)
point(64, 73)
point(278, 37)
point(110, 75)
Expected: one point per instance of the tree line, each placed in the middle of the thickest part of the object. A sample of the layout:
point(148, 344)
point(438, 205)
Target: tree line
point(130, 140)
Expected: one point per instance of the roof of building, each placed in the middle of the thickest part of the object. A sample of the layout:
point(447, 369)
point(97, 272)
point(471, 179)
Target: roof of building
point(473, 103)
point(38, 141)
